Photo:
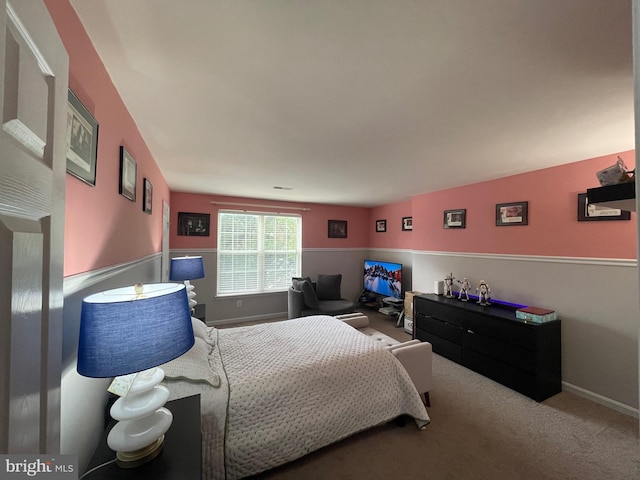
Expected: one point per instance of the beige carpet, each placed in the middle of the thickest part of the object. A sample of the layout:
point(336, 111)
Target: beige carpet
point(482, 430)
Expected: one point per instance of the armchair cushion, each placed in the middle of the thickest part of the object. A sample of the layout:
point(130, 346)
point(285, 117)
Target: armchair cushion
point(308, 292)
point(328, 287)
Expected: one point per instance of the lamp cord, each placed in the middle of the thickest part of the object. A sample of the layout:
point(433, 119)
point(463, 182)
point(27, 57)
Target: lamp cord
point(96, 468)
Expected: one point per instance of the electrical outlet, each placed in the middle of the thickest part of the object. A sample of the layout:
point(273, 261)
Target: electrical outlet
point(239, 303)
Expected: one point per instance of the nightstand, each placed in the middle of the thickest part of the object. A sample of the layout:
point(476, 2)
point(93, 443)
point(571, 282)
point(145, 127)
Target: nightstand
point(181, 458)
point(200, 311)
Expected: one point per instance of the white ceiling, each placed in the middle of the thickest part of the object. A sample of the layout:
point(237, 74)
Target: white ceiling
point(366, 102)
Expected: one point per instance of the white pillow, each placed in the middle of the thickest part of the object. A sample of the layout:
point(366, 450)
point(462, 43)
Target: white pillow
point(193, 365)
point(200, 330)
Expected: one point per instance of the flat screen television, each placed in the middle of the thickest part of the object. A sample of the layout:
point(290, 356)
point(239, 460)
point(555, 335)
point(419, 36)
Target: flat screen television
point(383, 278)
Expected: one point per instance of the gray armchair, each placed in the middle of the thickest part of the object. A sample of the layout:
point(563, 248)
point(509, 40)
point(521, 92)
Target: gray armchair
point(321, 298)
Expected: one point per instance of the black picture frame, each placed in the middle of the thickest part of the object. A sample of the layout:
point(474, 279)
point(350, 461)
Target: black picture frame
point(512, 214)
point(82, 141)
point(194, 224)
point(381, 226)
point(455, 218)
point(147, 196)
point(593, 213)
point(407, 224)
point(337, 229)
point(128, 175)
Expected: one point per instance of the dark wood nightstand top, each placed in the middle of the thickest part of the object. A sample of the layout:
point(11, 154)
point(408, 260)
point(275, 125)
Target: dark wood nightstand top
point(181, 458)
point(200, 311)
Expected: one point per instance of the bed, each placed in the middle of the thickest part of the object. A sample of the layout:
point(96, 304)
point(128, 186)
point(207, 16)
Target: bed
point(274, 392)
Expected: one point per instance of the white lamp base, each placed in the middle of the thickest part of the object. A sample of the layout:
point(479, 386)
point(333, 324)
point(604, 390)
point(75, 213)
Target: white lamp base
point(138, 437)
point(191, 295)
point(140, 457)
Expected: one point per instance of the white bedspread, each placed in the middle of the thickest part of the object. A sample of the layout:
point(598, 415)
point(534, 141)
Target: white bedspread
point(293, 387)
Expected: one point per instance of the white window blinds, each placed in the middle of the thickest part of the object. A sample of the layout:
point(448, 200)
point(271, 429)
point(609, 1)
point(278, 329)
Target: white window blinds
point(257, 252)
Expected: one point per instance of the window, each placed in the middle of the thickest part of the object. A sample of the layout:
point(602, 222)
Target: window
point(258, 252)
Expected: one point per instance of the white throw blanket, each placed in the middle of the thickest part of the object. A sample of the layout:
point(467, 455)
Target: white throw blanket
point(296, 386)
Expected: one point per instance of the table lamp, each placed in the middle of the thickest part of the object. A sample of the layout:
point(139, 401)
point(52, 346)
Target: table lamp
point(185, 269)
point(127, 331)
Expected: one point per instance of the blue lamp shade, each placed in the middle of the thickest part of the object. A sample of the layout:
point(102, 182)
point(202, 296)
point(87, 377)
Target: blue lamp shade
point(186, 268)
point(123, 331)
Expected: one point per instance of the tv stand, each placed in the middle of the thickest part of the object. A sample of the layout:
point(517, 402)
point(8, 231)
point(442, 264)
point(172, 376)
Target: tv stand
point(393, 306)
point(390, 306)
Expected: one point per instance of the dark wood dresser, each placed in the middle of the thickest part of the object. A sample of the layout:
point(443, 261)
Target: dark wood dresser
point(522, 355)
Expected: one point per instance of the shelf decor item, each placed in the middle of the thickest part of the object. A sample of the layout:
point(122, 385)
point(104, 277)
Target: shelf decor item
point(455, 218)
point(616, 173)
point(127, 333)
point(536, 314)
point(588, 212)
point(448, 285)
point(127, 175)
point(513, 213)
point(82, 141)
point(337, 229)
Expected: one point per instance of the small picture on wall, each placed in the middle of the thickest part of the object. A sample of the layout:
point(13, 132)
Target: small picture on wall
point(514, 213)
point(407, 223)
point(127, 175)
point(82, 141)
point(147, 197)
point(455, 218)
point(193, 224)
point(337, 229)
point(381, 225)
point(588, 212)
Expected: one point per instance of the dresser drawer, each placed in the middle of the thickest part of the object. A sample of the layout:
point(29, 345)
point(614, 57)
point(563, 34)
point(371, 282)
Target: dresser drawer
point(507, 353)
point(440, 311)
point(440, 328)
point(510, 332)
point(509, 376)
point(441, 346)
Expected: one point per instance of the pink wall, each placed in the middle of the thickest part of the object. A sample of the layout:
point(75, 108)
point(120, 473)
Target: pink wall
point(102, 227)
point(553, 228)
point(394, 237)
point(314, 221)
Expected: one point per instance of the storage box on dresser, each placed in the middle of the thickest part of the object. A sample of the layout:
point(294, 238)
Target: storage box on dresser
point(408, 311)
point(490, 340)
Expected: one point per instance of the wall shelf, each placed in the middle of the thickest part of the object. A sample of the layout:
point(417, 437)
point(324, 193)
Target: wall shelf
point(621, 196)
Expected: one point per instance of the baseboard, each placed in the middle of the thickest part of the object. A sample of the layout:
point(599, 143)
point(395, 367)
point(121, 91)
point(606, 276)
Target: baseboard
point(607, 402)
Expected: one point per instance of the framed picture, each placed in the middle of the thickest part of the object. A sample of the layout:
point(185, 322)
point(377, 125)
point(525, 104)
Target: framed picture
point(381, 225)
point(514, 213)
point(455, 218)
point(127, 175)
point(407, 223)
point(588, 212)
point(193, 224)
point(82, 141)
point(147, 196)
point(337, 229)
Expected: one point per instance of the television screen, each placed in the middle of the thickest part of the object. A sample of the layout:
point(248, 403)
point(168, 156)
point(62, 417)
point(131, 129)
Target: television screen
point(383, 278)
